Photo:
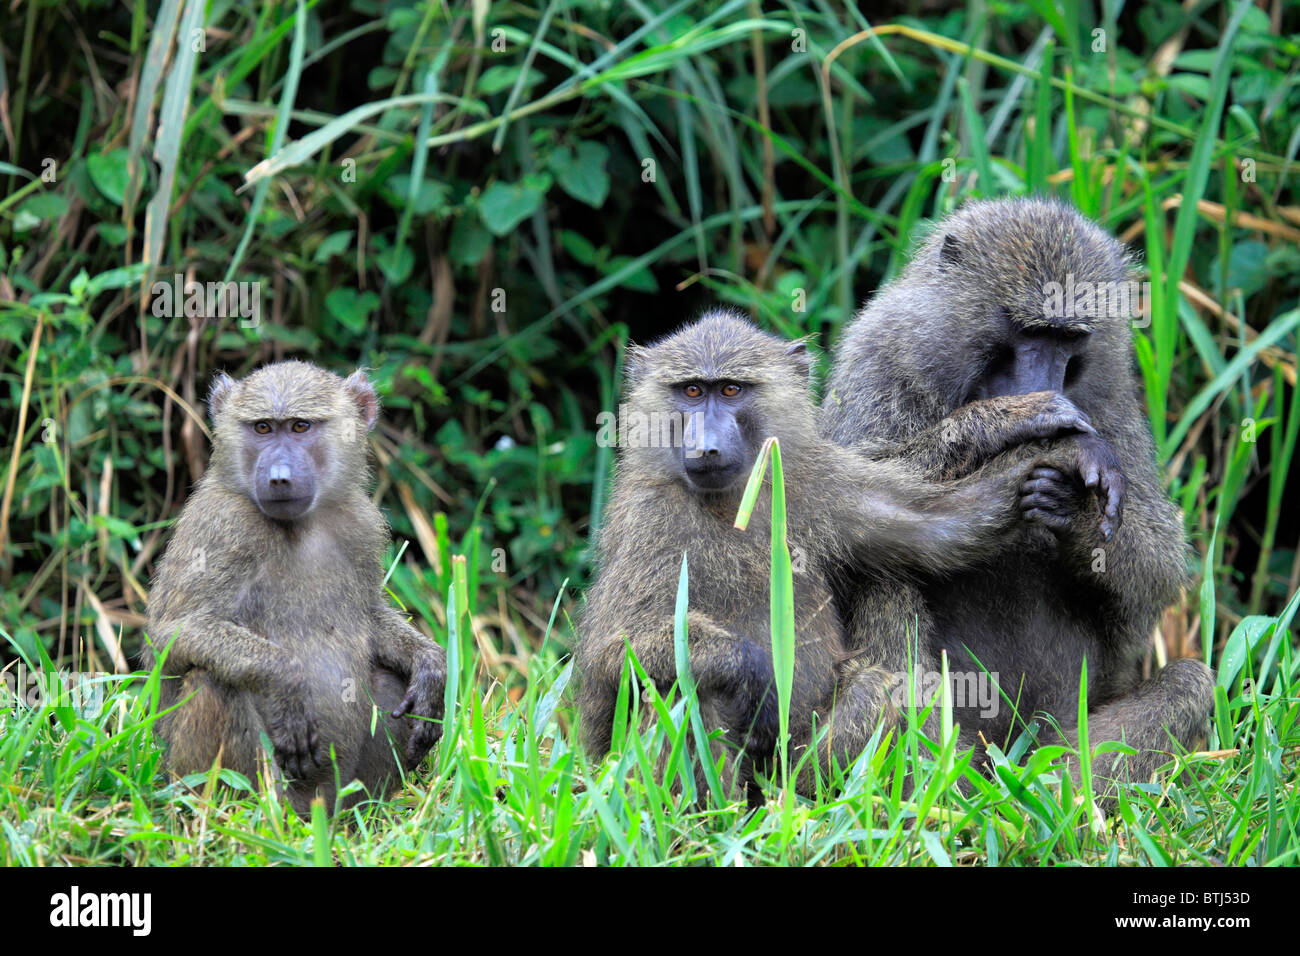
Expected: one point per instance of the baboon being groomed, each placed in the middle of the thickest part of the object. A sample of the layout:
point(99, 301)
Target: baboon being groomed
point(1005, 300)
point(729, 386)
point(268, 609)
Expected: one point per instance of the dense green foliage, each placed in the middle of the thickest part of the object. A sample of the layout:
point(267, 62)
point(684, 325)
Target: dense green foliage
point(483, 204)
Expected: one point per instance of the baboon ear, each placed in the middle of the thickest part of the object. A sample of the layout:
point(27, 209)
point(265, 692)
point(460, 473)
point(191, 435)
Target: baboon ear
point(798, 352)
point(222, 386)
point(950, 253)
point(363, 394)
point(633, 364)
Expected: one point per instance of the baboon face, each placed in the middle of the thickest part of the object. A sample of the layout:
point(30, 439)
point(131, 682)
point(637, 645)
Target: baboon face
point(710, 394)
point(1025, 360)
point(718, 443)
point(283, 458)
point(291, 435)
point(1035, 288)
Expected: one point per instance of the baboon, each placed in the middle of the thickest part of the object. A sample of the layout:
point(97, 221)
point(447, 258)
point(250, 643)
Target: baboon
point(1003, 300)
point(268, 609)
point(730, 386)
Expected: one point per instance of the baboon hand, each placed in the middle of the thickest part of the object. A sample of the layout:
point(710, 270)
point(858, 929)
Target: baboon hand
point(751, 687)
point(424, 702)
point(293, 734)
point(1052, 415)
point(1054, 494)
point(1100, 468)
point(766, 727)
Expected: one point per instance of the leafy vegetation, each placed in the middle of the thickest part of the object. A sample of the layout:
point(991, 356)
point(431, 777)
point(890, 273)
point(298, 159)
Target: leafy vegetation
point(483, 204)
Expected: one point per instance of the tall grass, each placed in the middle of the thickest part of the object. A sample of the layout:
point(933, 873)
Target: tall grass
point(508, 786)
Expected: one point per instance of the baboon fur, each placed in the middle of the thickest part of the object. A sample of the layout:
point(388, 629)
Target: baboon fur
point(1057, 589)
point(282, 627)
point(840, 507)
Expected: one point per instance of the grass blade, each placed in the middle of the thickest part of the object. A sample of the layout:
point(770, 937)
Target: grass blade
point(296, 53)
point(686, 682)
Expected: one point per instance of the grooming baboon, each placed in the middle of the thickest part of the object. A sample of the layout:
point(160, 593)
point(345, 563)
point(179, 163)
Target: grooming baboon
point(269, 605)
point(931, 372)
point(737, 386)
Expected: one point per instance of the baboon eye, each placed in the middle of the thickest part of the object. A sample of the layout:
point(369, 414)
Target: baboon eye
point(301, 426)
point(693, 391)
point(262, 428)
point(731, 390)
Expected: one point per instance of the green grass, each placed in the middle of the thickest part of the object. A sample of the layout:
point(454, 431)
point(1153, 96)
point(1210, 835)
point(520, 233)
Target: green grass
point(408, 169)
point(507, 786)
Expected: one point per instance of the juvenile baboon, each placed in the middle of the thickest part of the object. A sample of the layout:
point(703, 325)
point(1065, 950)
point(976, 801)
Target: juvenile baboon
point(269, 605)
point(731, 386)
point(1005, 299)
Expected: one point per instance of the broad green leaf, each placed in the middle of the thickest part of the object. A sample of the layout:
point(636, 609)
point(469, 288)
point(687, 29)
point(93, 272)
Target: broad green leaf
point(638, 278)
point(579, 246)
point(503, 206)
point(498, 78)
point(115, 279)
point(396, 264)
point(334, 244)
point(581, 173)
point(43, 206)
point(469, 241)
point(352, 308)
point(110, 174)
point(430, 196)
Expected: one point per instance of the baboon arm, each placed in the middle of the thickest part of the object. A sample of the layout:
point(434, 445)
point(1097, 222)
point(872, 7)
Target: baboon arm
point(733, 675)
point(979, 431)
point(719, 659)
point(402, 647)
point(231, 654)
point(948, 449)
point(887, 517)
point(423, 664)
point(1133, 571)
